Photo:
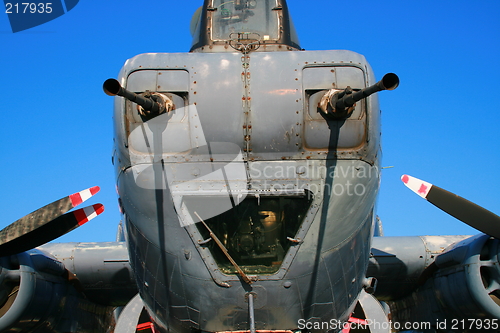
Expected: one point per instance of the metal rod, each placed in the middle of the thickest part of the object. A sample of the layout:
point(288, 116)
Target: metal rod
point(390, 81)
point(112, 87)
point(251, 313)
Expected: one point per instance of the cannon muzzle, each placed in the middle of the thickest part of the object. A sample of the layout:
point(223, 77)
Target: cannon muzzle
point(340, 103)
point(151, 104)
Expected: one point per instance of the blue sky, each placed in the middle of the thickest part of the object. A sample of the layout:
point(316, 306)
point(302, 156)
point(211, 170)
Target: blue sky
point(441, 124)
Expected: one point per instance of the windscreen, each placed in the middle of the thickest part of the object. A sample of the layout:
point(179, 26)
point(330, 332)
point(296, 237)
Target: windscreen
point(245, 16)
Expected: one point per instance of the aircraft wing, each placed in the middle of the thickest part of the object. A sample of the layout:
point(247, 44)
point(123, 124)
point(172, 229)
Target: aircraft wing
point(438, 279)
point(66, 287)
point(61, 286)
point(449, 282)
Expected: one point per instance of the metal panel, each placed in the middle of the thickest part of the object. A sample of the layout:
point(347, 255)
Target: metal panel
point(173, 80)
point(276, 104)
point(177, 137)
point(161, 80)
point(316, 81)
point(141, 81)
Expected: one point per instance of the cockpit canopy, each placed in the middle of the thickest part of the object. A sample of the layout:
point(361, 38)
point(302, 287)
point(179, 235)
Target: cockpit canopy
point(244, 25)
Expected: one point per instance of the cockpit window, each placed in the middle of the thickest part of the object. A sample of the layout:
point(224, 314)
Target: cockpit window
point(257, 233)
point(245, 16)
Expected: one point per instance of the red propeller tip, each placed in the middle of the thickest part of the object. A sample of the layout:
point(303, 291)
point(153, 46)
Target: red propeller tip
point(79, 197)
point(86, 214)
point(418, 186)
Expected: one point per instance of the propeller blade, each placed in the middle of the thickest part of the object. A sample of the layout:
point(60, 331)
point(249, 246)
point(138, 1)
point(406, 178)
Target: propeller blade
point(458, 207)
point(49, 231)
point(42, 217)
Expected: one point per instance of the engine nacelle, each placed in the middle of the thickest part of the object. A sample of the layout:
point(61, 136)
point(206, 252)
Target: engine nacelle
point(462, 283)
point(468, 279)
point(38, 294)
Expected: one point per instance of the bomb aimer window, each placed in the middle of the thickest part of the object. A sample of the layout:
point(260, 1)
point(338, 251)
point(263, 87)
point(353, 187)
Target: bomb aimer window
point(257, 233)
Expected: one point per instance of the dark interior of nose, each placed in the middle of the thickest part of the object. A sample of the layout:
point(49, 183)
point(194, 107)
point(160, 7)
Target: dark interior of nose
point(257, 232)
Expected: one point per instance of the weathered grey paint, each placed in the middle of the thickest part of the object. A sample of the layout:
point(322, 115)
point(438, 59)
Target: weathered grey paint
point(269, 115)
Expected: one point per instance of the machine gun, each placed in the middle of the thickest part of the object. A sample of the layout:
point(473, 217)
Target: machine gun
point(339, 104)
point(149, 104)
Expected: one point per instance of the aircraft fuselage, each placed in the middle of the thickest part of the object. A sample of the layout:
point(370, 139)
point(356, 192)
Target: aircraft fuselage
point(286, 190)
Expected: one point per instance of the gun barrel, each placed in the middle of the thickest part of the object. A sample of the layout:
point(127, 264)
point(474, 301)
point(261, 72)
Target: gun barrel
point(112, 88)
point(390, 81)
